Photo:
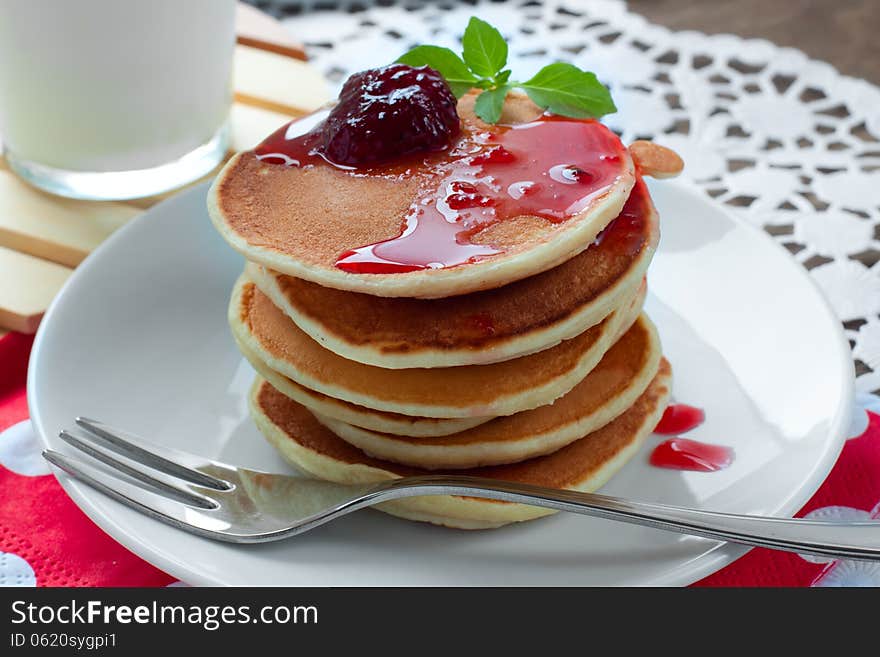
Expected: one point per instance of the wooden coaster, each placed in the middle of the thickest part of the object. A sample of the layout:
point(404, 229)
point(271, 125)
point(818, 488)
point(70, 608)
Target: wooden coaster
point(254, 28)
point(275, 82)
point(250, 125)
point(62, 230)
point(28, 286)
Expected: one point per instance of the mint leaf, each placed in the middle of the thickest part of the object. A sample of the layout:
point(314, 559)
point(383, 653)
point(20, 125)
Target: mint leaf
point(446, 63)
point(560, 88)
point(567, 90)
point(483, 48)
point(490, 104)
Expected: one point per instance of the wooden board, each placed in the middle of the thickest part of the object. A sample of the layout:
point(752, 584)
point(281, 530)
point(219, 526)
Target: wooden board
point(27, 286)
point(43, 236)
point(275, 82)
point(61, 230)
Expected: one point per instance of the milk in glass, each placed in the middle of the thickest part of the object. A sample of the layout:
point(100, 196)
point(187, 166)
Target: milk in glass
point(123, 86)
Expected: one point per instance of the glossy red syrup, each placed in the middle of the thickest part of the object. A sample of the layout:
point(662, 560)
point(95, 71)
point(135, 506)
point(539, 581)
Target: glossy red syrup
point(553, 167)
point(679, 418)
point(626, 232)
point(684, 454)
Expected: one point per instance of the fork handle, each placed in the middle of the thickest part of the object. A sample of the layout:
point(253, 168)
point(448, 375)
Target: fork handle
point(849, 540)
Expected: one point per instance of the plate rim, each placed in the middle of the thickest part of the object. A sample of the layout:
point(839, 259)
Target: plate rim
point(684, 574)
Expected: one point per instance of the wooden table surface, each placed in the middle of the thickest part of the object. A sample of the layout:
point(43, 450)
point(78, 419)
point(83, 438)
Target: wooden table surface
point(843, 33)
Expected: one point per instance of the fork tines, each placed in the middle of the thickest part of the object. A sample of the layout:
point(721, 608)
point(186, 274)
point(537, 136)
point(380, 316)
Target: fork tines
point(174, 486)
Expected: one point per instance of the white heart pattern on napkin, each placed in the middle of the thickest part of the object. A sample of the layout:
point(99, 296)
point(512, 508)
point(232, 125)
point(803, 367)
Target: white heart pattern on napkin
point(20, 451)
point(15, 571)
point(850, 574)
point(844, 572)
point(864, 402)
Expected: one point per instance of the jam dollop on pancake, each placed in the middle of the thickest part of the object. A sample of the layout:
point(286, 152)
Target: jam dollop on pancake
point(502, 203)
point(388, 112)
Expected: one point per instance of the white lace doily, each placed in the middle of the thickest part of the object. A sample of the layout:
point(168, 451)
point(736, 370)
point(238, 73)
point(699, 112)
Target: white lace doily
point(786, 142)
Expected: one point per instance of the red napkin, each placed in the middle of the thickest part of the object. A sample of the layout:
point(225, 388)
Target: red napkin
point(45, 540)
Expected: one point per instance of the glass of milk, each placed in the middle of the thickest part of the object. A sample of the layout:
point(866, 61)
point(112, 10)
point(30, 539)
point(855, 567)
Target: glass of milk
point(115, 99)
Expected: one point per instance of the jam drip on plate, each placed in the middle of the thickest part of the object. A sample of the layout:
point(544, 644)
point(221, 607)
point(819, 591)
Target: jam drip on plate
point(680, 418)
point(684, 454)
point(553, 168)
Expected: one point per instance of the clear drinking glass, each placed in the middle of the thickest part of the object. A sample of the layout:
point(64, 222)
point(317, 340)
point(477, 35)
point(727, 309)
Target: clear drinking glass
point(115, 99)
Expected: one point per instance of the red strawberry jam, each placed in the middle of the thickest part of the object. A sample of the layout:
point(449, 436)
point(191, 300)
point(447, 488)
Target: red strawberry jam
point(386, 113)
point(685, 454)
point(680, 418)
point(553, 168)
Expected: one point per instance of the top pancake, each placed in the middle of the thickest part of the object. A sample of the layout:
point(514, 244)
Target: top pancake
point(298, 221)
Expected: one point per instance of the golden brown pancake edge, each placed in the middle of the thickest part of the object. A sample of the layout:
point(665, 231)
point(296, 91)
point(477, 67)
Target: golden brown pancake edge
point(622, 375)
point(468, 391)
point(584, 465)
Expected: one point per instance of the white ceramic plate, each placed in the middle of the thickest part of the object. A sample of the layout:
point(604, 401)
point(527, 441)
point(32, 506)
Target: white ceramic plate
point(138, 338)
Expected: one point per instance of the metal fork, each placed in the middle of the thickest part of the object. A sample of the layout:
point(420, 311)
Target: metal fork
point(227, 503)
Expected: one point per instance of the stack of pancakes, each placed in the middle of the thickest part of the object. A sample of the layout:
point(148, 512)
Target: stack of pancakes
point(534, 365)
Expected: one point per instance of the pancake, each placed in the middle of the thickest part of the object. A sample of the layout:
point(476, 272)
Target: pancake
point(299, 220)
point(584, 465)
point(484, 327)
point(359, 416)
point(450, 392)
point(612, 387)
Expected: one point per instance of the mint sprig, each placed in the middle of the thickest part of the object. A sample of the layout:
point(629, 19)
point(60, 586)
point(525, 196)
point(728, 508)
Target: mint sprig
point(560, 88)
